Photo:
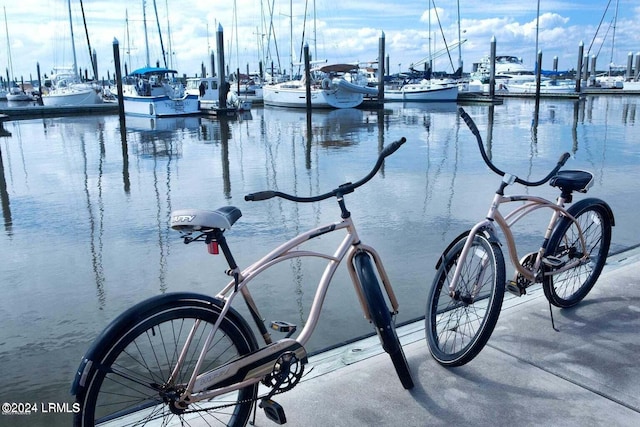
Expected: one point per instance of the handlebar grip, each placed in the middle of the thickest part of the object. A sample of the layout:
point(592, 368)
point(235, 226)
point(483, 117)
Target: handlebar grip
point(260, 195)
point(391, 148)
point(469, 121)
point(563, 159)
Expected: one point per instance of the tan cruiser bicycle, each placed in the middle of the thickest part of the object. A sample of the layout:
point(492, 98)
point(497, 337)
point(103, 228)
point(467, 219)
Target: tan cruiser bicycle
point(186, 358)
point(467, 292)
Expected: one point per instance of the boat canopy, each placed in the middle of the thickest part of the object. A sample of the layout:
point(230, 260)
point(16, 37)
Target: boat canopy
point(146, 71)
point(338, 68)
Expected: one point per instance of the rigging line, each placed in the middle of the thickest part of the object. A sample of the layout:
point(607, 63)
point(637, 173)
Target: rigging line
point(275, 40)
point(443, 37)
point(598, 29)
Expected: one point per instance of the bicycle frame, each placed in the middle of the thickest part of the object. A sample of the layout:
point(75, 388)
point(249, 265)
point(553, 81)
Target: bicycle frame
point(199, 382)
point(532, 203)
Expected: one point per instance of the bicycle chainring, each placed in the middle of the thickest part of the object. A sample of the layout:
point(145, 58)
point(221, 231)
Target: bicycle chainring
point(527, 262)
point(286, 373)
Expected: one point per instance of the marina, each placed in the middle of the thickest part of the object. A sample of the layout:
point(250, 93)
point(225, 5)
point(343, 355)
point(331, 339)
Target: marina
point(86, 202)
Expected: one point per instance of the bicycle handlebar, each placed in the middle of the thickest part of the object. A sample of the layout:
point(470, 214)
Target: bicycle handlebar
point(474, 129)
point(342, 189)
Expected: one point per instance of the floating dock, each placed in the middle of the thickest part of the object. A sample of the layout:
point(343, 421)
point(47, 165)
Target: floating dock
point(30, 111)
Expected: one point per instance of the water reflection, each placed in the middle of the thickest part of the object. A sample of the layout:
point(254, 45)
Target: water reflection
point(97, 194)
point(4, 198)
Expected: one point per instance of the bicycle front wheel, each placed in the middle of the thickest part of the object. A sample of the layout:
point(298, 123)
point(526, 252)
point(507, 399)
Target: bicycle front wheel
point(458, 327)
point(130, 384)
point(569, 287)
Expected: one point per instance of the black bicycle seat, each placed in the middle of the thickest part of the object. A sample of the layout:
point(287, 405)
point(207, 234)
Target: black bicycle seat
point(572, 180)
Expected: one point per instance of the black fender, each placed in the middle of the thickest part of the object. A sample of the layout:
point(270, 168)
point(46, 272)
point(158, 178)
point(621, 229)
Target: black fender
point(486, 231)
point(378, 310)
point(576, 207)
point(138, 313)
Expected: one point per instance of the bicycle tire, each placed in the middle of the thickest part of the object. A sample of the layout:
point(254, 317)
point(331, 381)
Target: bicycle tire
point(381, 317)
point(111, 398)
point(456, 330)
point(568, 288)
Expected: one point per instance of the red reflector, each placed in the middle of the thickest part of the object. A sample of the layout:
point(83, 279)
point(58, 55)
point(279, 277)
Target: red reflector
point(212, 247)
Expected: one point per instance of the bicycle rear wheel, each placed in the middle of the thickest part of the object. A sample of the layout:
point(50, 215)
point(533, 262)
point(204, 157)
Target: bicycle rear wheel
point(569, 287)
point(129, 382)
point(458, 328)
point(381, 317)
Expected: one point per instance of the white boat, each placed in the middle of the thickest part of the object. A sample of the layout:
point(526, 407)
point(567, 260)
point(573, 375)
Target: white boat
point(547, 86)
point(68, 89)
point(610, 81)
point(332, 86)
point(207, 92)
point(16, 94)
point(150, 92)
point(511, 75)
point(424, 91)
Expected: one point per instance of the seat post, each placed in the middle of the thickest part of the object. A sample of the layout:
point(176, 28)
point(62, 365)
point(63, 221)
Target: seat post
point(218, 236)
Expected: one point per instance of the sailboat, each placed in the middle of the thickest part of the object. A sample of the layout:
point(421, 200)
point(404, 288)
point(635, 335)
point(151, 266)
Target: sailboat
point(154, 91)
point(423, 88)
point(67, 86)
point(331, 86)
point(15, 93)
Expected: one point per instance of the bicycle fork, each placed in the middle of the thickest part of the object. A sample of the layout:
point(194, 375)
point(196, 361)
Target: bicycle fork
point(455, 294)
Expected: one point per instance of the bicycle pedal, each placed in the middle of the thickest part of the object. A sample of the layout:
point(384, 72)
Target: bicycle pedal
point(274, 411)
point(551, 261)
point(513, 288)
point(282, 326)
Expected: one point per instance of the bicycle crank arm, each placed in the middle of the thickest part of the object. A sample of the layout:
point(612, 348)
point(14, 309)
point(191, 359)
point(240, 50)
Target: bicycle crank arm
point(254, 366)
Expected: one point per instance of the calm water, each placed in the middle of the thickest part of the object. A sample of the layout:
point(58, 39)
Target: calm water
point(85, 232)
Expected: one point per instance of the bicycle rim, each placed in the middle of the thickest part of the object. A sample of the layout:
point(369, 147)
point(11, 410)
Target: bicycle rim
point(458, 328)
point(132, 388)
point(569, 287)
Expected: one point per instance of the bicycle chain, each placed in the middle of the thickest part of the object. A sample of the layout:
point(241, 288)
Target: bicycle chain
point(275, 389)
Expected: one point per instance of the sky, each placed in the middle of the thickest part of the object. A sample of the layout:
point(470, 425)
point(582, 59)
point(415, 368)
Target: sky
point(38, 32)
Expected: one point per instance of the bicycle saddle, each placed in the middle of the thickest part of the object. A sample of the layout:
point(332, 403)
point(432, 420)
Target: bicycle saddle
point(197, 219)
point(572, 180)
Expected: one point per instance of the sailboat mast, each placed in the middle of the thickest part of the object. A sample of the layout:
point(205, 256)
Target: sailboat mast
point(459, 40)
point(291, 37)
point(94, 66)
point(613, 36)
point(146, 36)
point(6, 26)
point(166, 4)
point(429, 37)
point(164, 54)
point(73, 43)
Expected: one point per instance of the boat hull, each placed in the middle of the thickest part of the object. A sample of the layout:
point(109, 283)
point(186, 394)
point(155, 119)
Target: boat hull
point(71, 97)
point(160, 106)
point(418, 93)
point(279, 96)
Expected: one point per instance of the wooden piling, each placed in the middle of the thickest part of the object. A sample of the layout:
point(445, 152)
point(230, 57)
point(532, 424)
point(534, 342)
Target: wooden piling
point(381, 68)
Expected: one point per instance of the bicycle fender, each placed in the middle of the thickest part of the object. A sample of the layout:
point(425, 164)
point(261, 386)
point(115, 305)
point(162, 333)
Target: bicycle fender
point(488, 233)
point(134, 315)
point(370, 288)
point(576, 207)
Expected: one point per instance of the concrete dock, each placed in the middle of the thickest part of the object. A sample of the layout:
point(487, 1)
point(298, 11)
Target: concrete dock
point(587, 374)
